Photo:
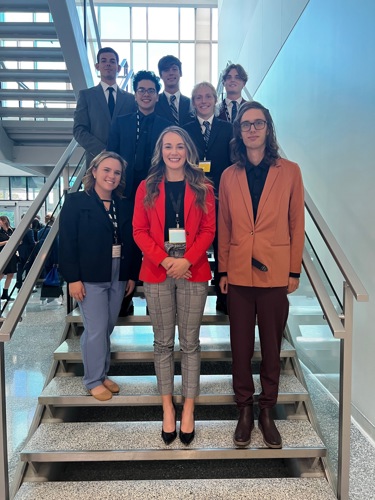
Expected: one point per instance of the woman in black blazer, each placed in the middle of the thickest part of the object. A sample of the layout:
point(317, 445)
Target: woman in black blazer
point(100, 262)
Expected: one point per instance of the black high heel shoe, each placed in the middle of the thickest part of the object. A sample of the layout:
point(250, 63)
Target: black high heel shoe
point(187, 437)
point(169, 437)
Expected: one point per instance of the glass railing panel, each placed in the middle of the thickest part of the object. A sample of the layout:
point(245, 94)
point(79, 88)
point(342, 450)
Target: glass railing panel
point(319, 358)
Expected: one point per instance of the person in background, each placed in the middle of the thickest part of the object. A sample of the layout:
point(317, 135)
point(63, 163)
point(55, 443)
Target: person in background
point(5, 233)
point(100, 261)
point(172, 105)
point(261, 239)
point(174, 225)
point(234, 80)
point(26, 254)
point(53, 255)
point(211, 137)
point(98, 107)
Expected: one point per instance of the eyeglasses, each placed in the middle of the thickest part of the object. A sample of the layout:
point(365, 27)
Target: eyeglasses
point(142, 91)
point(258, 125)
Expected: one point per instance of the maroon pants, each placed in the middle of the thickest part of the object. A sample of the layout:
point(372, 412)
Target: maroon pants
point(270, 306)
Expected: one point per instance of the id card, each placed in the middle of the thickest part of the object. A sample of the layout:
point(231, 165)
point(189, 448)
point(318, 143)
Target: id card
point(205, 166)
point(177, 236)
point(116, 251)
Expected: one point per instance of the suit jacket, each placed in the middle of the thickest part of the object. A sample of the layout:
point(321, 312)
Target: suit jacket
point(86, 237)
point(163, 109)
point(92, 120)
point(275, 238)
point(222, 114)
point(218, 151)
point(122, 140)
point(148, 231)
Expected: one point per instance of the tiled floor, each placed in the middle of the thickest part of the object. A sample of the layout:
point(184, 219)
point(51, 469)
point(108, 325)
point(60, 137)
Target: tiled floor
point(28, 358)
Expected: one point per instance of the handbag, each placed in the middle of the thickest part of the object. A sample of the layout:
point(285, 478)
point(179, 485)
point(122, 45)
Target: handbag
point(51, 285)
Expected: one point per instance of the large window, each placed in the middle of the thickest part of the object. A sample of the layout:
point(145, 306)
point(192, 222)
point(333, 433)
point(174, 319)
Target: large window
point(143, 35)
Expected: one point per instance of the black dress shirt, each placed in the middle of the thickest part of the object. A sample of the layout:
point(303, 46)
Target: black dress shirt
point(256, 179)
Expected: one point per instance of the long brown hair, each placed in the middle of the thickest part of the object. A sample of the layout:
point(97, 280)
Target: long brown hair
point(88, 180)
point(194, 175)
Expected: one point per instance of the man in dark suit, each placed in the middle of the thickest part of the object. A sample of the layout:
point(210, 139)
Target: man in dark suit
point(234, 80)
point(172, 105)
point(211, 137)
point(97, 106)
point(133, 136)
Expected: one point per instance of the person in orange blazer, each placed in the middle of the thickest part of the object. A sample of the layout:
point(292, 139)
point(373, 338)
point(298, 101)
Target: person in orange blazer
point(261, 239)
point(174, 225)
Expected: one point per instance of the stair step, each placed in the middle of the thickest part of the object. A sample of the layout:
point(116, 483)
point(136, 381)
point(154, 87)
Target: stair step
point(142, 390)
point(220, 489)
point(74, 317)
point(127, 344)
point(122, 441)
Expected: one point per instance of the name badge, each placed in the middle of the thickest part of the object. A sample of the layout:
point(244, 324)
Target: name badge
point(177, 236)
point(205, 166)
point(116, 251)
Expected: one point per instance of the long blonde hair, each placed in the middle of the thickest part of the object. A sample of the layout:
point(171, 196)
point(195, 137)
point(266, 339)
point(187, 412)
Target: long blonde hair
point(194, 175)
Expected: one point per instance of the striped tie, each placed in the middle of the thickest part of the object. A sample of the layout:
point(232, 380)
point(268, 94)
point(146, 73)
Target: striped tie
point(234, 110)
point(172, 104)
point(111, 100)
point(206, 134)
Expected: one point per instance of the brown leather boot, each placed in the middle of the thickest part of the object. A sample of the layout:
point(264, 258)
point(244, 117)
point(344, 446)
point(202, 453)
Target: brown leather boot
point(242, 434)
point(267, 427)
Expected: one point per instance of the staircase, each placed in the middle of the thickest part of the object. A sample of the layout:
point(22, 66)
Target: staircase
point(85, 449)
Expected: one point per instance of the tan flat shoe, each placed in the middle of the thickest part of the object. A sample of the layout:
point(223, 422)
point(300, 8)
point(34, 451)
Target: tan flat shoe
point(101, 393)
point(111, 386)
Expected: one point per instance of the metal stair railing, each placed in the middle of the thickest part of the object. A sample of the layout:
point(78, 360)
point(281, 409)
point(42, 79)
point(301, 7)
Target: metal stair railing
point(8, 324)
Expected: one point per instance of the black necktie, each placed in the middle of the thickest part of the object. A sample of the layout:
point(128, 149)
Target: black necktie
point(234, 110)
point(111, 100)
point(206, 134)
point(172, 104)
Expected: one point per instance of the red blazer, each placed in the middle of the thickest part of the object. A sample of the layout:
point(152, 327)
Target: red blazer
point(148, 231)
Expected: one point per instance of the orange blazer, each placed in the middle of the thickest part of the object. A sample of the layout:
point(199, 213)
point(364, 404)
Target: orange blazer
point(275, 238)
point(148, 231)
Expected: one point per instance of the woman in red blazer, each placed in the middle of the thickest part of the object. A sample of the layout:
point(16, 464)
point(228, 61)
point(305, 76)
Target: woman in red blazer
point(174, 225)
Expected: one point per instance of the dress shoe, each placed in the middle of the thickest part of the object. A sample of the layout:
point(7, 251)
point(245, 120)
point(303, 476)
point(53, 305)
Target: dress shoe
point(111, 386)
point(186, 437)
point(267, 427)
point(242, 434)
point(169, 437)
point(101, 393)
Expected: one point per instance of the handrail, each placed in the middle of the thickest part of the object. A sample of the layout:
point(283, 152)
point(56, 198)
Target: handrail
point(25, 222)
point(336, 251)
point(324, 299)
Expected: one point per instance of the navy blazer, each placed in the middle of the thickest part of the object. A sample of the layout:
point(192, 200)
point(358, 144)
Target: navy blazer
point(122, 140)
point(92, 119)
point(218, 150)
point(163, 109)
point(86, 238)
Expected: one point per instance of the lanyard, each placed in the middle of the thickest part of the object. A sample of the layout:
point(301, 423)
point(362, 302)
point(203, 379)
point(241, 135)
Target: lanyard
point(113, 218)
point(176, 207)
point(138, 128)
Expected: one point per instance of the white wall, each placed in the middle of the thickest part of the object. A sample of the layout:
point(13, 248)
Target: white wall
point(321, 93)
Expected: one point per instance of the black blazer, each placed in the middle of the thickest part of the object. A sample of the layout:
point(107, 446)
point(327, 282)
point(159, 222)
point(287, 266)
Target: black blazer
point(122, 140)
point(86, 236)
point(218, 151)
point(163, 109)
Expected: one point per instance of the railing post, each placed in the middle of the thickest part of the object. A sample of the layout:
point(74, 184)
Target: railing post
point(345, 397)
point(4, 478)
